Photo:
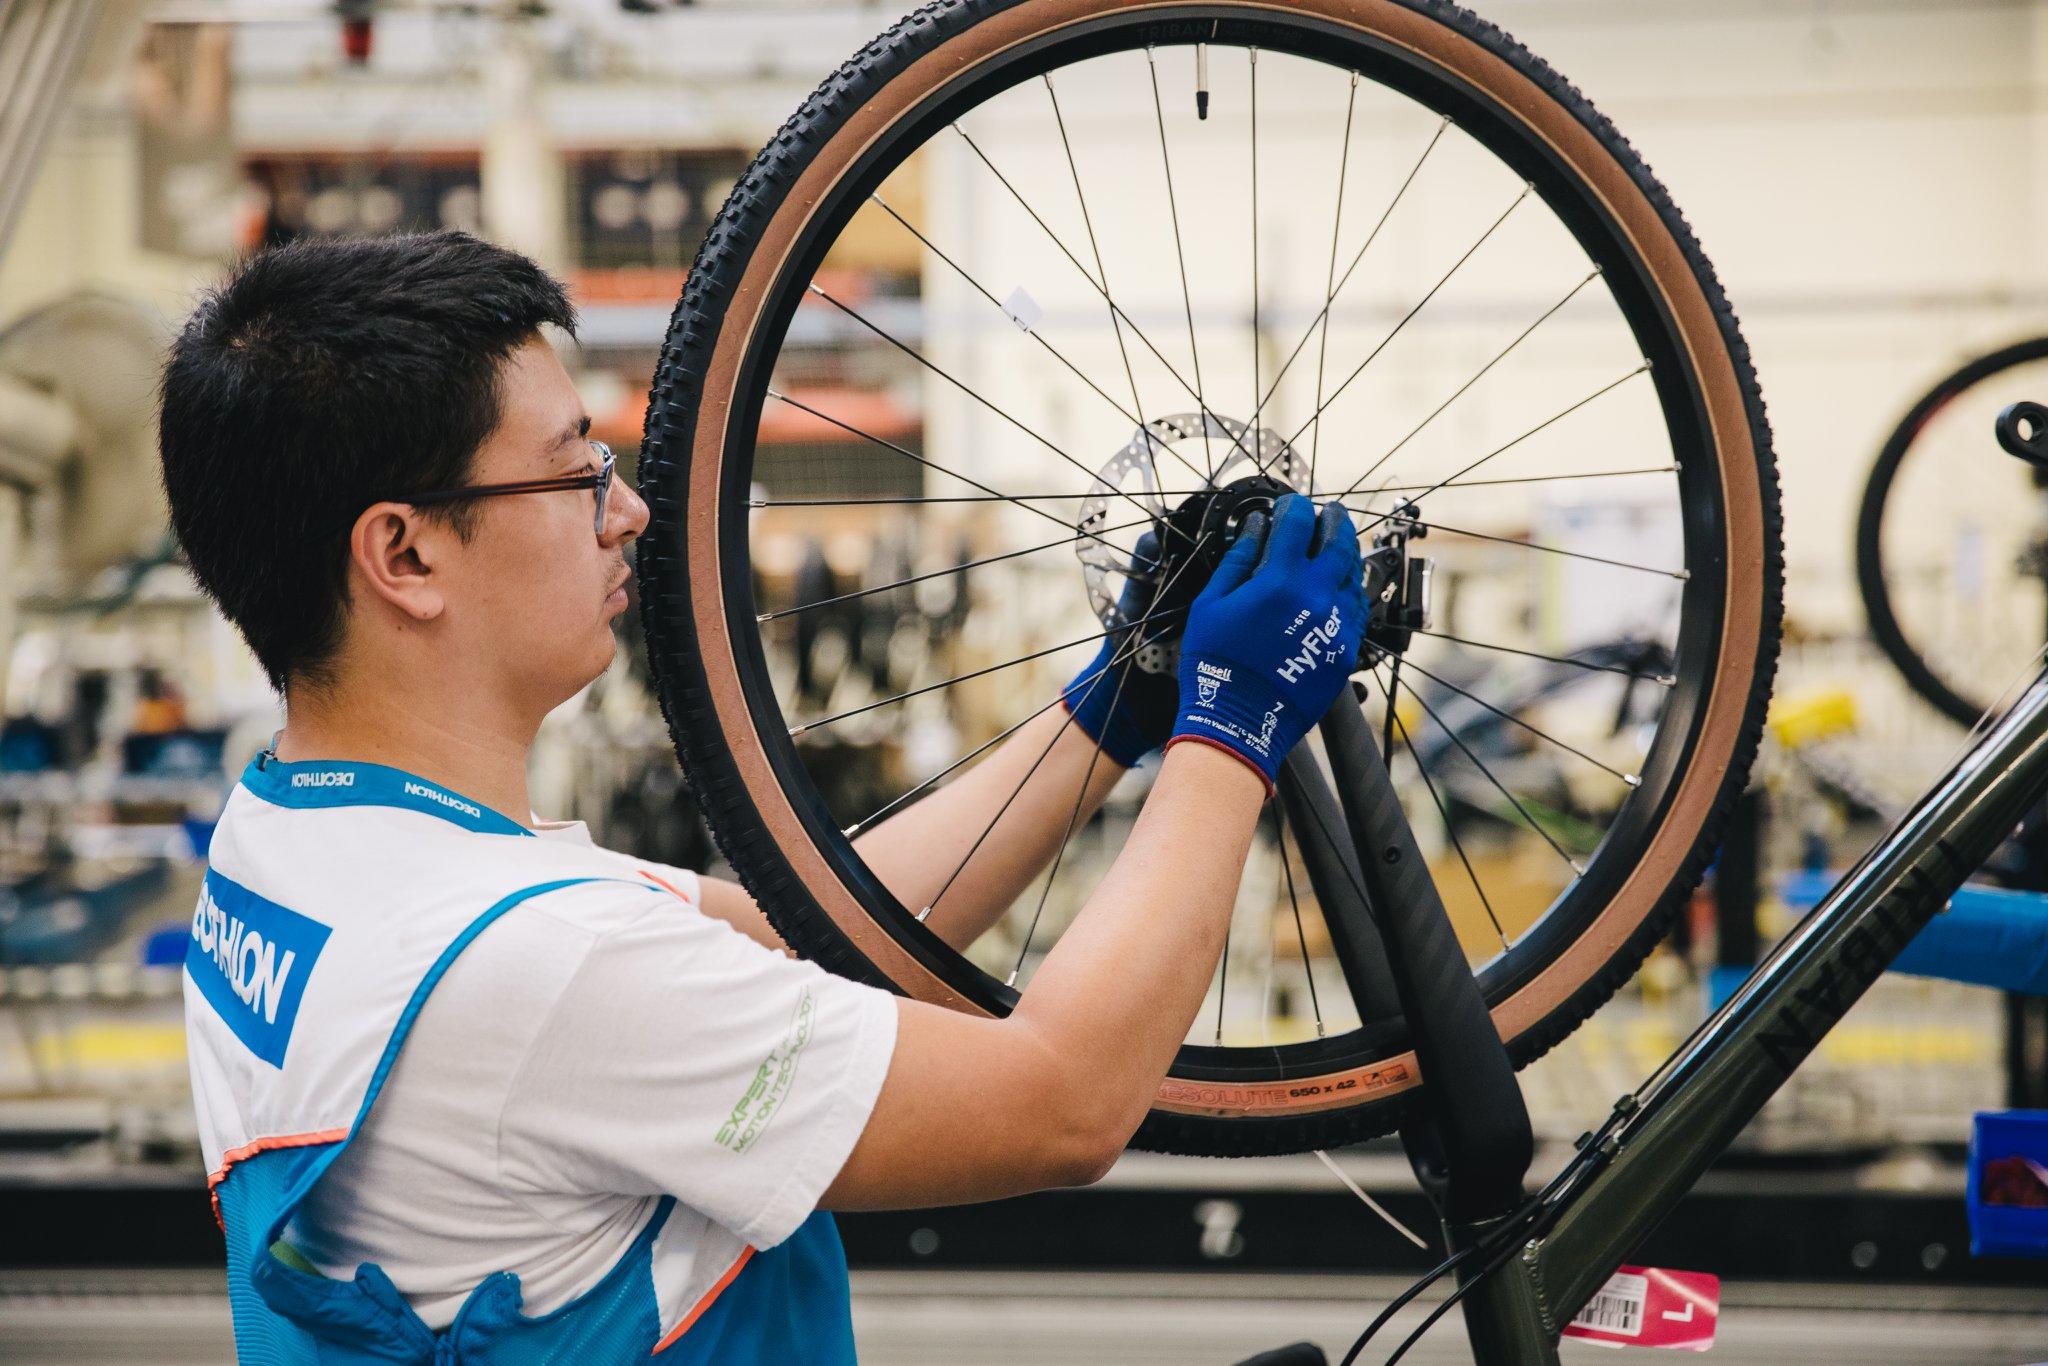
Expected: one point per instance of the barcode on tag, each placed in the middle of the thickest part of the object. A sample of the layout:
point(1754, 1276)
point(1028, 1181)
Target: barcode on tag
point(1618, 1306)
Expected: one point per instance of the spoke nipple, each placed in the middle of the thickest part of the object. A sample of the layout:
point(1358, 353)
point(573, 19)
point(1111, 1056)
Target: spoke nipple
point(795, 731)
point(757, 502)
point(1354, 80)
point(813, 288)
point(922, 914)
point(1011, 980)
point(1633, 779)
point(1668, 680)
point(1577, 867)
point(850, 831)
point(761, 618)
point(1683, 575)
point(1648, 364)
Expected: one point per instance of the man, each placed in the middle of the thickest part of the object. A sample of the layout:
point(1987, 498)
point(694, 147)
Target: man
point(471, 1087)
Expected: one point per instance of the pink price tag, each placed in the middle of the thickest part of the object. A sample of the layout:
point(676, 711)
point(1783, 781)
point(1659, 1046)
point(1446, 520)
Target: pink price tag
point(1647, 1306)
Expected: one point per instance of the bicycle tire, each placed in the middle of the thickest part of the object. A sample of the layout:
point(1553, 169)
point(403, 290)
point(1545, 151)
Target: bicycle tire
point(687, 568)
point(1871, 584)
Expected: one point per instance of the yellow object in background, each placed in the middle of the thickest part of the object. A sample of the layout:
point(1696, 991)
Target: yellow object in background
point(1811, 715)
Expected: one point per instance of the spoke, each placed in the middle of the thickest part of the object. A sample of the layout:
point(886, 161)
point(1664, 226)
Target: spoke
point(1322, 316)
point(1435, 526)
point(968, 498)
point(1086, 778)
point(1252, 56)
point(1453, 480)
point(1577, 868)
point(1095, 249)
point(1223, 980)
point(934, 466)
point(1100, 287)
point(1119, 657)
point(1443, 812)
point(1672, 468)
point(1066, 835)
point(977, 673)
point(1662, 680)
point(1152, 442)
point(978, 398)
point(1409, 316)
point(1632, 780)
point(936, 573)
point(1024, 781)
point(1294, 900)
point(1180, 256)
point(1387, 725)
point(1315, 439)
point(983, 748)
point(1479, 374)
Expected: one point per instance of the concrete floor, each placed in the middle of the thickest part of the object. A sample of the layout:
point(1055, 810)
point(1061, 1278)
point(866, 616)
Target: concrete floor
point(938, 1318)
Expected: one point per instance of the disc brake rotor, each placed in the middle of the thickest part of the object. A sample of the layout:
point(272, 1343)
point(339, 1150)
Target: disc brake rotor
point(1257, 468)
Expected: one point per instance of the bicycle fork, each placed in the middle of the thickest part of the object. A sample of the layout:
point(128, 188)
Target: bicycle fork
point(1469, 1139)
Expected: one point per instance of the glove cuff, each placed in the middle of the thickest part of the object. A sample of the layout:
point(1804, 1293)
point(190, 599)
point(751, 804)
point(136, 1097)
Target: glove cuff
point(1228, 704)
point(1087, 700)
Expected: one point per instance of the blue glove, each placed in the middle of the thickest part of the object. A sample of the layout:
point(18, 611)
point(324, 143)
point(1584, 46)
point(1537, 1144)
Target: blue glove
point(1123, 709)
point(1273, 637)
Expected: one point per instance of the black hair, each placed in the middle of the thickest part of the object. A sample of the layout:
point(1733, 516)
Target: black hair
point(322, 377)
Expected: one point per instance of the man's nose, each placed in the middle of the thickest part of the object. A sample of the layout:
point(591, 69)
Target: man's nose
point(625, 515)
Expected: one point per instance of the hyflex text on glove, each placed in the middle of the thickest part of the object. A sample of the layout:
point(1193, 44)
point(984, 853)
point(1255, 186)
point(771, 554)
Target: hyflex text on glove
point(1274, 635)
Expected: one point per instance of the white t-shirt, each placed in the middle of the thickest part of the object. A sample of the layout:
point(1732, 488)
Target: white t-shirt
point(585, 1055)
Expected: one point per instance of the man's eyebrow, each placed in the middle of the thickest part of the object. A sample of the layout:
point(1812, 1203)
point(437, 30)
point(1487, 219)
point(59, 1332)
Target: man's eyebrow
point(579, 428)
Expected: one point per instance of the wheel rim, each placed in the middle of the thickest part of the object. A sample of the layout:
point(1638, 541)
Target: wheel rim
point(1207, 1081)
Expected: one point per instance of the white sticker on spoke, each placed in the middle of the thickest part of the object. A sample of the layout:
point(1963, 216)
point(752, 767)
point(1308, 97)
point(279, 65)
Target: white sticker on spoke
point(1024, 310)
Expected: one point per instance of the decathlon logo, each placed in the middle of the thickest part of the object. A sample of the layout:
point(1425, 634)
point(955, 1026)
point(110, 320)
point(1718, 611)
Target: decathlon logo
point(1315, 648)
point(325, 778)
point(1208, 678)
point(435, 794)
point(250, 958)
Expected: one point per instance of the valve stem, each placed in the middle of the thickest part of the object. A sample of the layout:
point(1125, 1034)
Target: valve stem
point(1202, 81)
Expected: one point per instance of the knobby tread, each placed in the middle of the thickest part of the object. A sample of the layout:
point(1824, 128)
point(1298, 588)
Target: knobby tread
point(678, 670)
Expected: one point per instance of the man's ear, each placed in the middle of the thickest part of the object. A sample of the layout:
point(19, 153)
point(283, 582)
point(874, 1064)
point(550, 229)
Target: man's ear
point(395, 552)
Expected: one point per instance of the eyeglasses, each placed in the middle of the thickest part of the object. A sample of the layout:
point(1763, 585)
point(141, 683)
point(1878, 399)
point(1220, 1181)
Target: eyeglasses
point(600, 481)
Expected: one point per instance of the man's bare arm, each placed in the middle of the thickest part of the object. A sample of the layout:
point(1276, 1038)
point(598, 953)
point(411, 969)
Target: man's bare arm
point(1010, 810)
point(976, 1108)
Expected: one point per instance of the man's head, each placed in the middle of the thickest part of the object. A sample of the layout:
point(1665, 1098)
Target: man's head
point(327, 381)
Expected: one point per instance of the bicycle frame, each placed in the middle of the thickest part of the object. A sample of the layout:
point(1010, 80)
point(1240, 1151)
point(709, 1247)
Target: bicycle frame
point(1671, 1129)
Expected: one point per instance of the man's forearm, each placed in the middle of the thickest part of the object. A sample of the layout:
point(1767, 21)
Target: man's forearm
point(1010, 812)
point(1117, 994)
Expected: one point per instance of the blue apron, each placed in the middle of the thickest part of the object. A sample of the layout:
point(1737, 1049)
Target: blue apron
point(787, 1304)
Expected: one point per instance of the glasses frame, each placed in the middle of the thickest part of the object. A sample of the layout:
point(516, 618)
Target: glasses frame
point(600, 482)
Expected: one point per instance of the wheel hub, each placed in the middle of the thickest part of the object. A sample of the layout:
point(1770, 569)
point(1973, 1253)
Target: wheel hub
point(1240, 471)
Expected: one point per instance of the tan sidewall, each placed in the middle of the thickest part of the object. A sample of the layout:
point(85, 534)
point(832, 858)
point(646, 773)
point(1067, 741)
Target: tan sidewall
point(1727, 414)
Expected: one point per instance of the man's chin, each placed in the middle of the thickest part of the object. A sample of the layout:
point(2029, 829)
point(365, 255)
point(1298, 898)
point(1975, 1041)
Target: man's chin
point(603, 651)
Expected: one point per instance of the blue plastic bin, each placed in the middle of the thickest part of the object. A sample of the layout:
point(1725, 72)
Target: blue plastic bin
point(2007, 1230)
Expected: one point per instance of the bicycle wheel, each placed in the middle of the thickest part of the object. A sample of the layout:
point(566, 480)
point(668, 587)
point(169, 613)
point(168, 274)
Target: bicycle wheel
point(1126, 214)
point(1955, 582)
